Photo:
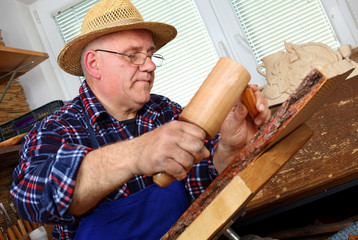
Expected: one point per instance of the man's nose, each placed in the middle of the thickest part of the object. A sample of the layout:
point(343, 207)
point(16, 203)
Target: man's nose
point(149, 65)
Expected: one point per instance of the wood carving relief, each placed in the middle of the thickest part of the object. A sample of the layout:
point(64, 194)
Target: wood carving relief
point(284, 70)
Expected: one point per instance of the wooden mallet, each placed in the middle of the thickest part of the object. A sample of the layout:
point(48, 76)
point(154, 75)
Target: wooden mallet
point(215, 98)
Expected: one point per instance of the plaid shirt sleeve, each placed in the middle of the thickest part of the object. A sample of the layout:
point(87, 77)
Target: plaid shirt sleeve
point(44, 180)
point(203, 173)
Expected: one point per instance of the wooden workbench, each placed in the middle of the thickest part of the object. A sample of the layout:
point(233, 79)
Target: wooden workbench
point(329, 159)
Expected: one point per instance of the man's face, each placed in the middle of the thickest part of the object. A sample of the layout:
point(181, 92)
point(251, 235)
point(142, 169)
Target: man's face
point(121, 83)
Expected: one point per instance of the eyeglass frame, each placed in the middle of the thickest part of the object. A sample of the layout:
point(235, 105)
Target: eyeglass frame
point(132, 55)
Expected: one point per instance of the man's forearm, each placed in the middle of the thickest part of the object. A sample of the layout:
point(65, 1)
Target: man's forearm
point(99, 174)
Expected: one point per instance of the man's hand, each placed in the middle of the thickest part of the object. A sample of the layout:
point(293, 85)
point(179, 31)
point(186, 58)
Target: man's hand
point(237, 129)
point(172, 149)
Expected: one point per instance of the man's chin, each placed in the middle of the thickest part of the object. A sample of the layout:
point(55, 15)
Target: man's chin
point(144, 99)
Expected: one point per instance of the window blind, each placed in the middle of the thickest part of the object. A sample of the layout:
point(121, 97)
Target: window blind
point(268, 23)
point(69, 21)
point(189, 58)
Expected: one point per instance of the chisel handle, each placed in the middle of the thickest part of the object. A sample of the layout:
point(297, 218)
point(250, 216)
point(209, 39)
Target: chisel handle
point(163, 179)
point(16, 231)
point(249, 100)
point(10, 234)
point(2, 236)
point(27, 226)
point(22, 227)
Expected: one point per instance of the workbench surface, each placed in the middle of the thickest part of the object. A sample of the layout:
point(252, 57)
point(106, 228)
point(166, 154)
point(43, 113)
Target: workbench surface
point(329, 159)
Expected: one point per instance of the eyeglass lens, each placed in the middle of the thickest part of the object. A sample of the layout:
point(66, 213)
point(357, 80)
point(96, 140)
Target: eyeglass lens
point(157, 60)
point(140, 58)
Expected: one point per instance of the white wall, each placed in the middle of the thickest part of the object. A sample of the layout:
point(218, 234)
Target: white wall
point(41, 85)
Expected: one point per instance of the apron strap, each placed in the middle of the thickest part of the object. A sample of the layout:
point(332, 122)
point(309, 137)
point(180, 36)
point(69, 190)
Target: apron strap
point(93, 138)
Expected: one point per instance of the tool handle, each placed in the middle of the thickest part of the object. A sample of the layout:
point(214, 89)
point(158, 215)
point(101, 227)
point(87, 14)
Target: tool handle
point(10, 234)
point(16, 231)
point(27, 226)
point(249, 100)
point(22, 227)
point(163, 179)
point(2, 236)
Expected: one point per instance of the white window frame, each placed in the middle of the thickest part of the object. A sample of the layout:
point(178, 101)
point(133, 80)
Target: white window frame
point(42, 12)
point(342, 20)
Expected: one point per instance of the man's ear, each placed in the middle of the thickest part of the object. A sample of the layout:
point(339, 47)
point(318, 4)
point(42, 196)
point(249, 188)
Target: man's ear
point(90, 62)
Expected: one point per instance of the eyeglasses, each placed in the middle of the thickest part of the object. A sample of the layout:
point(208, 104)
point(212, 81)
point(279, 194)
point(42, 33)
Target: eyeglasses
point(139, 58)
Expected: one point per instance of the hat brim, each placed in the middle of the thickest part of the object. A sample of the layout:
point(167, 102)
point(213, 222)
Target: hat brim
point(69, 59)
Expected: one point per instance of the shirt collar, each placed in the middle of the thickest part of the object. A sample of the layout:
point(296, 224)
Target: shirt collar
point(95, 109)
point(90, 102)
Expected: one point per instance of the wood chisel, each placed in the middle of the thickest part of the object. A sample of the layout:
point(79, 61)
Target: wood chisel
point(10, 233)
point(12, 226)
point(19, 221)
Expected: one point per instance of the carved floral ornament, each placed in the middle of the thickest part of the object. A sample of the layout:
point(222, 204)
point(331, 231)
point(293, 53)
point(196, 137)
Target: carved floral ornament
point(286, 69)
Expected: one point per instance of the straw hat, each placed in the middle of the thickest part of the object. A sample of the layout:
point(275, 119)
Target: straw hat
point(109, 16)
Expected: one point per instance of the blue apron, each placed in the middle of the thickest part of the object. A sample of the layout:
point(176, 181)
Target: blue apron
point(147, 214)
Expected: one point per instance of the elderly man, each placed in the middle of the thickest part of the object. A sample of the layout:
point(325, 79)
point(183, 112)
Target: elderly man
point(88, 168)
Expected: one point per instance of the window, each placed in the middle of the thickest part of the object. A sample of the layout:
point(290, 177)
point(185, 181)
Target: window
point(224, 27)
point(188, 58)
point(267, 24)
point(248, 30)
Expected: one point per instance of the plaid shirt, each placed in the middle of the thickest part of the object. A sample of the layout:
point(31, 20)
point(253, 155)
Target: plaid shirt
point(52, 152)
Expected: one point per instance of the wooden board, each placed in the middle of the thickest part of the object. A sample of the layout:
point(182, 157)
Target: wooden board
point(12, 58)
point(301, 104)
point(244, 186)
point(329, 159)
point(9, 156)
